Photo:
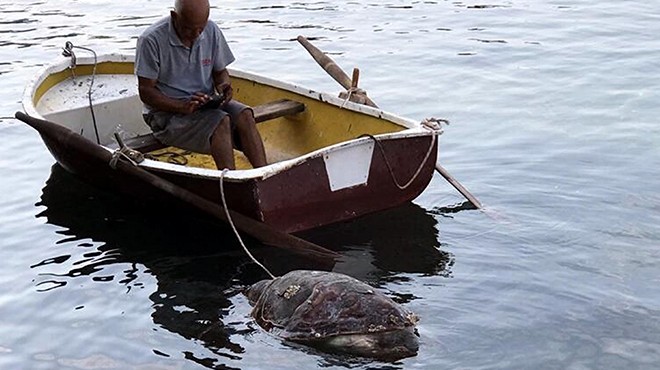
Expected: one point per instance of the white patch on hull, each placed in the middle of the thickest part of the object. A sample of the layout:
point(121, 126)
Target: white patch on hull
point(349, 166)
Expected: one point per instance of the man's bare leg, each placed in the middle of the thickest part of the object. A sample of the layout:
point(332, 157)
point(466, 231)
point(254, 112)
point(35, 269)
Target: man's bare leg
point(253, 146)
point(222, 146)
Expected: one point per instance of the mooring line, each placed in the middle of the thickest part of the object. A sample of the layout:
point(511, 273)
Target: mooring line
point(431, 124)
point(231, 223)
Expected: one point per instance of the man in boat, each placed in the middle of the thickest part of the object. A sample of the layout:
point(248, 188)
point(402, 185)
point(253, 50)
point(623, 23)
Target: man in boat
point(183, 82)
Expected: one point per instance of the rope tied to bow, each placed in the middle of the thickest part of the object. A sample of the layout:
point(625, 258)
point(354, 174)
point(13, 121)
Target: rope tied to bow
point(432, 124)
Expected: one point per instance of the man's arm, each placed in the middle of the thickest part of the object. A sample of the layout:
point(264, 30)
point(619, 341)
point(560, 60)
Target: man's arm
point(147, 69)
point(150, 95)
point(223, 84)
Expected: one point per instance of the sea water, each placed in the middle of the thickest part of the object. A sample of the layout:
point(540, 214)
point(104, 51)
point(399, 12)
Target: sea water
point(553, 110)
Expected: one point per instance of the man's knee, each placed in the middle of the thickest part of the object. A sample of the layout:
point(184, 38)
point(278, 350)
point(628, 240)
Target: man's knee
point(246, 116)
point(224, 124)
point(226, 120)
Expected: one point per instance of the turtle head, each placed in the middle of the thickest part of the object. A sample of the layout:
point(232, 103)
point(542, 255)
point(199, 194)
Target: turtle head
point(254, 292)
point(386, 346)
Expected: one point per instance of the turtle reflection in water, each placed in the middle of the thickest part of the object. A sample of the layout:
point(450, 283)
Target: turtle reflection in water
point(334, 312)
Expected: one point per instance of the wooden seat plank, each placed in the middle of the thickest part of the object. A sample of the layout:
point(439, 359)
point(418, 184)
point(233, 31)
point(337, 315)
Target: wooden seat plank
point(276, 109)
point(263, 112)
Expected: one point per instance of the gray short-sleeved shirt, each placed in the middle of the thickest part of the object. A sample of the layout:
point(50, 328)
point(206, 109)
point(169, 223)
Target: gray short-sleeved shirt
point(181, 71)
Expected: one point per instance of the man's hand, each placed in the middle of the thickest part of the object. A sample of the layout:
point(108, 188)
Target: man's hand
point(150, 95)
point(226, 91)
point(222, 84)
point(194, 103)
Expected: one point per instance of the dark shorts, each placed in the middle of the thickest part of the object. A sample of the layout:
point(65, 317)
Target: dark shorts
point(193, 131)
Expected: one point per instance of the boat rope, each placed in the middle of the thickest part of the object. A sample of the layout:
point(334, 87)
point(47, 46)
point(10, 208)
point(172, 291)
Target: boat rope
point(231, 223)
point(131, 155)
point(432, 124)
point(67, 51)
point(349, 93)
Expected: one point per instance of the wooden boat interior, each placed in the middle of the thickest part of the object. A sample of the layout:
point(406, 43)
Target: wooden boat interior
point(292, 123)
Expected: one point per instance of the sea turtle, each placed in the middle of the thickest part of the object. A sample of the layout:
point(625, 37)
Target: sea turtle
point(334, 312)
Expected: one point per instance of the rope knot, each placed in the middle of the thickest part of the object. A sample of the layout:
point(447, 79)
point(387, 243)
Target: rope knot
point(435, 124)
point(129, 154)
point(132, 155)
point(354, 94)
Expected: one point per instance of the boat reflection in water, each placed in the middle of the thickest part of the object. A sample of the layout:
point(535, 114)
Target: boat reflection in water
point(378, 247)
point(198, 262)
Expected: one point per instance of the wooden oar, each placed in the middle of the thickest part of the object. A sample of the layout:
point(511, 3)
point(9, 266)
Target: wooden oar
point(340, 76)
point(263, 232)
point(331, 67)
point(457, 185)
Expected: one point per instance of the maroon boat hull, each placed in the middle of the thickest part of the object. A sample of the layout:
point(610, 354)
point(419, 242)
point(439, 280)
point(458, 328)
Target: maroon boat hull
point(300, 198)
point(296, 199)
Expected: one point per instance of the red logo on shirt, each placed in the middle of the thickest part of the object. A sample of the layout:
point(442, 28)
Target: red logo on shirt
point(207, 62)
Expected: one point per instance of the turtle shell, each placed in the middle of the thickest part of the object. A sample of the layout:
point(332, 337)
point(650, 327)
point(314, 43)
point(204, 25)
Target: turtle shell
point(315, 305)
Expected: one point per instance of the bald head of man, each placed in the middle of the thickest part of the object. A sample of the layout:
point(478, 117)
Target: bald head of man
point(190, 18)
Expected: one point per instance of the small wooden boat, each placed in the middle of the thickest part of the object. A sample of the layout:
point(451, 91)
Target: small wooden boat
point(329, 159)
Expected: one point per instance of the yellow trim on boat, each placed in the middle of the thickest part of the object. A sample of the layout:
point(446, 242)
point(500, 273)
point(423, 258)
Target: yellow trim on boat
point(321, 124)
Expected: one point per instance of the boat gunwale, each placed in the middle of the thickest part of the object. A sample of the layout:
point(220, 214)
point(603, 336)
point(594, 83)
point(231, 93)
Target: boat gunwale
point(274, 168)
point(411, 128)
